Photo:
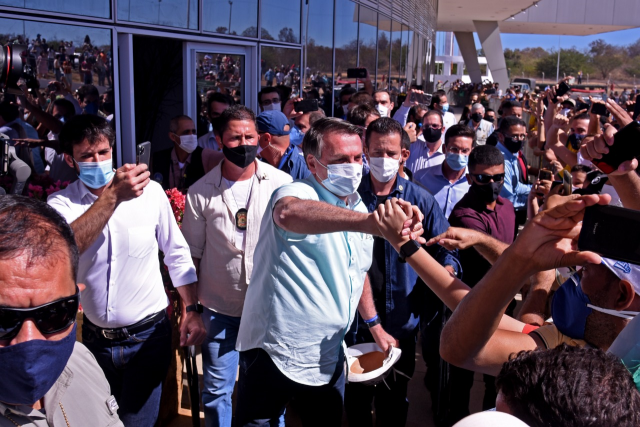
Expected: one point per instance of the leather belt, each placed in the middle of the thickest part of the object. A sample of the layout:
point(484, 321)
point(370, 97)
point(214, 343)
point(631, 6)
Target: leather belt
point(126, 331)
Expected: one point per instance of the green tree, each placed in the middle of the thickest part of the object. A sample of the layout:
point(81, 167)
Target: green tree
point(605, 57)
point(571, 61)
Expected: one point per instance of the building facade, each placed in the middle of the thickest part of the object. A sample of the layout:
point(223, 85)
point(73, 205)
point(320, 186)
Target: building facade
point(160, 55)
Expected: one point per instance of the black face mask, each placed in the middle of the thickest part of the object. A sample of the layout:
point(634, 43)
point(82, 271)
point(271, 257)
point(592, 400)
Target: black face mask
point(431, 135)
point(476, 117)
point(488, 193)
point(241, 156)
point(489, 119)
point(512, 144)
point(575, 140)
point(215, 123)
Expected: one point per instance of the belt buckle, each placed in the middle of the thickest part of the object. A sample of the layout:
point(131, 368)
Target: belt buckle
point(107, 333)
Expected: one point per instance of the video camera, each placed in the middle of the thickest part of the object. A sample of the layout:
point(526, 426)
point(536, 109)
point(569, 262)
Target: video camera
point(14, 65)
point(10, 163)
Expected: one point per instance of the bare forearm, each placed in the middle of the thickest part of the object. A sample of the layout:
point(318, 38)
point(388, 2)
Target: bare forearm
point(628, 188)
point(53, 124)
point(89, 226)
point(534, 306)
point(366, 306)
point(490, 248)
point(311, 217)
point(188, 293)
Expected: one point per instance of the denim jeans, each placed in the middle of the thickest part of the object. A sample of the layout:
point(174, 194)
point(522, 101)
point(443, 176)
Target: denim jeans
point(220, 366)
point(264, 391)
point(135, 368)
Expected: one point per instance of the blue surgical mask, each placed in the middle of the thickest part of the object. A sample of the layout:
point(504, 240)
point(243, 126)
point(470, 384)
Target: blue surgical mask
point(295, 136)
point(29, 369)
point(457, 161)
point(96, 174)
point(91, 108)
point(342, 179)
point(570, 308)
point(445, 107)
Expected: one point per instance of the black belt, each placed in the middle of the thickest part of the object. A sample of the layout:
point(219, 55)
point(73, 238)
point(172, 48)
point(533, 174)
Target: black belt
point(126, 331)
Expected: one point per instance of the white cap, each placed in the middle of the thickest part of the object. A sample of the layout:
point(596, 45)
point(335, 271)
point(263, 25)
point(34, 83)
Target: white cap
point(625, 271)
point(382, 364)
point(490, 419)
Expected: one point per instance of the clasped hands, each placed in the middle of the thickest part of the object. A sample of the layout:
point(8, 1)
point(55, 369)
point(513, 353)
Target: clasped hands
point(399, 221)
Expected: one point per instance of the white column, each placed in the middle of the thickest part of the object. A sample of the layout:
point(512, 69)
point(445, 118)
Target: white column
point(489, 34)
point(468, 50)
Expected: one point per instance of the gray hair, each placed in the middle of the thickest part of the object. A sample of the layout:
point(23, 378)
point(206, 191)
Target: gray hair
point(313, 141)
point(174, 123)
point(477, 106)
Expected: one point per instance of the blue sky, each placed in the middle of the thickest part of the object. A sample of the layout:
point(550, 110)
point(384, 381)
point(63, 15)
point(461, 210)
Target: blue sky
point(514, 41)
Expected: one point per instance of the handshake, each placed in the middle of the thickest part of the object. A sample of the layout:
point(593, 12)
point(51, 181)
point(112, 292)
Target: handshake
point(398, 222)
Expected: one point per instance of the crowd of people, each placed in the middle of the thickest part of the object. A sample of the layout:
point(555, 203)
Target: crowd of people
point(381, 219)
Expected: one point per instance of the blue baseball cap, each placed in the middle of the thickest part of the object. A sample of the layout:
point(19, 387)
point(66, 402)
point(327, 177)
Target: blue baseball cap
point(273, 122)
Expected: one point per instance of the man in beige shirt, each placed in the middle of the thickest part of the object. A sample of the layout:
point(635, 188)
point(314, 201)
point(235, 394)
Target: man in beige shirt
point(221, 224)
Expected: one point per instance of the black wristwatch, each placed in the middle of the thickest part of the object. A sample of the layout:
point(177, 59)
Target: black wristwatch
point(374, 323)
point(408, 249)
point(197, 307)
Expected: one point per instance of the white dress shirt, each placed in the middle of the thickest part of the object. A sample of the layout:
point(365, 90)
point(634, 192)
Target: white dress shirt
point(121, 268)
point(419, 157)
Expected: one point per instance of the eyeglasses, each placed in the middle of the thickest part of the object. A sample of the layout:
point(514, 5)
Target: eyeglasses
point(49, 318)
point(483, 178)
point(521, 137)
point(434, 127)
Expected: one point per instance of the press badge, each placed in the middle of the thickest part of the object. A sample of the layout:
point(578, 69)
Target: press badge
point(112, 405)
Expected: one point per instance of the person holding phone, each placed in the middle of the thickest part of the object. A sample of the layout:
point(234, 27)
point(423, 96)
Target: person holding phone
point(125, 321)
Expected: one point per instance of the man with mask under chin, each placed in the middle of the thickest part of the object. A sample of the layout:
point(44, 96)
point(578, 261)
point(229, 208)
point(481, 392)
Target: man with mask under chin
point(512, 135)
point(221, 224)
point(394, 284)
point(181, 166)
point(314, 252)
point(48, 379)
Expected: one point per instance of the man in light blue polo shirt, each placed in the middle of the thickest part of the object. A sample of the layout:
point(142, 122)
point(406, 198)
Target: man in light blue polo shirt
point(447, 182)
point(310, 276)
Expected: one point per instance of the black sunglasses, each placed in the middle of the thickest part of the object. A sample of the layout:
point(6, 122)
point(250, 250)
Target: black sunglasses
point(49, 318)
point(483, 178)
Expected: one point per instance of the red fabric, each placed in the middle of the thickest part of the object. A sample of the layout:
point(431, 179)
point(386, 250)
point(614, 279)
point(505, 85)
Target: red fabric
point(529, 328)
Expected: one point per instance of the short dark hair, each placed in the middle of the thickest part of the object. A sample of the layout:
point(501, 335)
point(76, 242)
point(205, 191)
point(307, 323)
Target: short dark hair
point(581, 168)
point(85, 90)
point(460, 130)
point(413, 111)
point(359, 114)
point(507, 122)
point(362, 97)
point(382, 91)
point(69, 108)
point(235, 112)
point(406, 141)
point(347, 90)
point(9, 111)
point(219, 97)
point(383, 126)
point(29, 226)
point(569, 386)
point(313, 140)
point(486, 155)
point(85, 127)
point(266, 90)
point(314, 116)
point(433, 113)
point(581, 116)
point(511, 104)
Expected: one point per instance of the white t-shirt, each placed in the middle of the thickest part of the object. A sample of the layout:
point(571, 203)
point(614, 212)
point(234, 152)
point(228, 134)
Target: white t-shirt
point(241, 191)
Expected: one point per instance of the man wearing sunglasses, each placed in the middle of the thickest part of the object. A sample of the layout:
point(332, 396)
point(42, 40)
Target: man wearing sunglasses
point(481, 209)
point(47, 377)
point(120, 220)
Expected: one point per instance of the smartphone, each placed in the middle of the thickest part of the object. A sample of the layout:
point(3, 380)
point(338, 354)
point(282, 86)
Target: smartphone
point(612, 232)
point(356, 73)
point(636, 109)
point(426, 98)
point(582, 106)
point(567, 180)
point(625, 147)
point(562, 89)
point(4, 156)
point(143, 153)
point(306, 106)
point(554, 184)
point(545, 175)
point(599, 109)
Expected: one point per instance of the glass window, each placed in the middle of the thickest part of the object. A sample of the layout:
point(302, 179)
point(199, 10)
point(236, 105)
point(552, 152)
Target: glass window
point(317, 33)
point(97, 8)
point(439, 68)
point(241, 16)
point(285, 66)
point(346, 35)
point(404, 52)
point(367, 40)
point(384, 50)
point(396, 50)
point(220, 72)
point(81, 55)
point(280, 20)
point(169, 13)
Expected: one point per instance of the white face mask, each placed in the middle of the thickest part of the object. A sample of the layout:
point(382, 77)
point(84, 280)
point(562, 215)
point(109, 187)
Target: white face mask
point(189, 143)
point(383, 169)
point(384, 111)
point(272, 107)
point(342, 179)
point(345, 108)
